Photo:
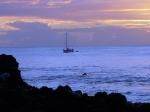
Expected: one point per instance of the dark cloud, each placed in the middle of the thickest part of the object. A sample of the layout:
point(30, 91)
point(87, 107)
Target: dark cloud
point(40, 35)
point(31, 35)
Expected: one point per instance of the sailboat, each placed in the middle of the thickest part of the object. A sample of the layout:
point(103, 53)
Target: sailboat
point(67, 50)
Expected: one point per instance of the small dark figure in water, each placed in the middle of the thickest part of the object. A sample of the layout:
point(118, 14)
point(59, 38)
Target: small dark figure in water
point(84, 74)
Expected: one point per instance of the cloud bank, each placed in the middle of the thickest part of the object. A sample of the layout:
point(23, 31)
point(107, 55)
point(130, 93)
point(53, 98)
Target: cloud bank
point(89, 22)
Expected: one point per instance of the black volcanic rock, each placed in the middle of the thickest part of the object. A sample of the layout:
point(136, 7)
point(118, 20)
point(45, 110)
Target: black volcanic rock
point(8, 63)
point(117, 102)
point(18, 96)
point(9, 73)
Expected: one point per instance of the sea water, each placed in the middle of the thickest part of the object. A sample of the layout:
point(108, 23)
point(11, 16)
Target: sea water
point(112, 69)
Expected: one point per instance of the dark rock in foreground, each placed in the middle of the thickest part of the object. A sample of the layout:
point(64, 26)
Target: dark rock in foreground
point(18, 96)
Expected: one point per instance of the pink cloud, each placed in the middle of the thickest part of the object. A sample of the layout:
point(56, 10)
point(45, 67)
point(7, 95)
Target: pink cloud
point(40, 3)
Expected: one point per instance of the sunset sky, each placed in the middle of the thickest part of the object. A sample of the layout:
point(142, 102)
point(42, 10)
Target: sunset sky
point(43, 23)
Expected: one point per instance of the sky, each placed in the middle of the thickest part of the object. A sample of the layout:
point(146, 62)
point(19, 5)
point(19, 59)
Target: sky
point(43, 23)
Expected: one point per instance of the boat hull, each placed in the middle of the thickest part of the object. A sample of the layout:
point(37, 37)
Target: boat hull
point(68, 50)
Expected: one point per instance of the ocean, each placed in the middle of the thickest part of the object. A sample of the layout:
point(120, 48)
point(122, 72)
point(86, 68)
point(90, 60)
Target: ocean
point(112, 69)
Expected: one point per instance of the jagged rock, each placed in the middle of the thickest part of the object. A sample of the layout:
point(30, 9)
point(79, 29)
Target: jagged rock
point(100, 95)
point(8, 63)
point(9, 72)
point(84, 74)
point(4, 76)
point(78, 93)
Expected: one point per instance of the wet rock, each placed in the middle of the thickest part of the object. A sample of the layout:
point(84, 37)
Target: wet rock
point(100, 95)
point(4, 76)
point(84, 74)
point(10, 76)
point(78, 93)
point(117, 102)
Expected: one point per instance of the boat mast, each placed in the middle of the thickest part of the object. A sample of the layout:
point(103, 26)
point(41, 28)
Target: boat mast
point(66, 40)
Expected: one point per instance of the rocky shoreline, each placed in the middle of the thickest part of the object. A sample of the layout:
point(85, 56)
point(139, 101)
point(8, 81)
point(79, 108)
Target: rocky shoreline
point(17, 96)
